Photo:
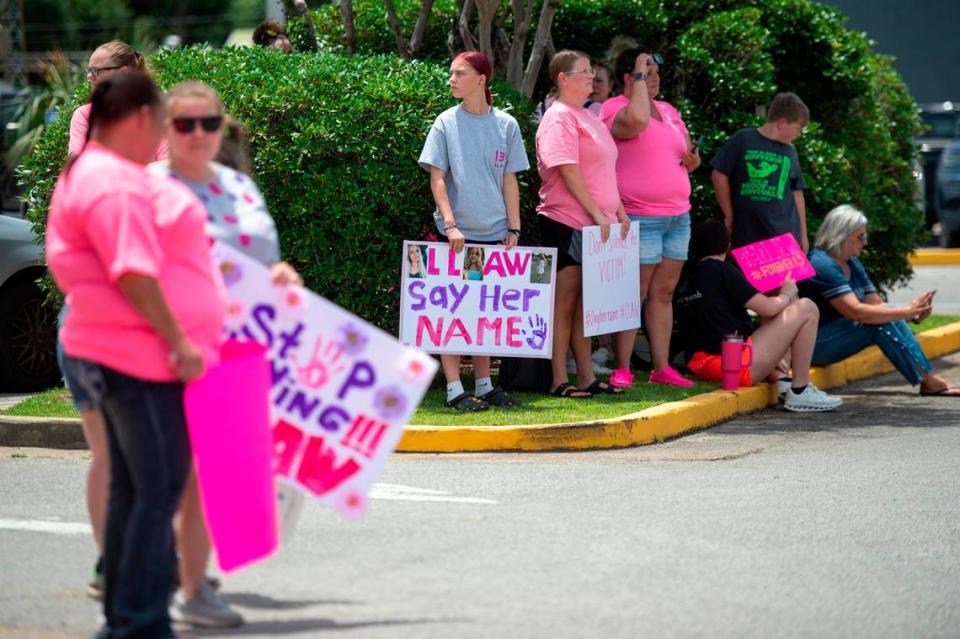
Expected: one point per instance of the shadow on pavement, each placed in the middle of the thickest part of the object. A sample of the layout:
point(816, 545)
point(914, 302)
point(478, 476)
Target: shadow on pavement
point(292, 626)
point(261, 602)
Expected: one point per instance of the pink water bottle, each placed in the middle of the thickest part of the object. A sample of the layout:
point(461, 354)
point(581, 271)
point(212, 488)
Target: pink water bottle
point(731, 359)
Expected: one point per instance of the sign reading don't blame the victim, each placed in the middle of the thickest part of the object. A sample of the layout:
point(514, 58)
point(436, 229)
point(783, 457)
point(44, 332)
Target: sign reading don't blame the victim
point(341, 389)
point(611, 280)
point(484, 300)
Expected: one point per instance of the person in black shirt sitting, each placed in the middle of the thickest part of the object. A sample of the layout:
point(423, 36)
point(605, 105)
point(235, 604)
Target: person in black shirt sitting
point(711, 301)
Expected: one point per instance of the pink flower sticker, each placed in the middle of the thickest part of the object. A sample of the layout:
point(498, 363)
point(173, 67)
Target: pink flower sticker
point(235, 309)
point(244, 241)
point(293, 299)
point(230, 219)
point(215, 188)
point(248, 198)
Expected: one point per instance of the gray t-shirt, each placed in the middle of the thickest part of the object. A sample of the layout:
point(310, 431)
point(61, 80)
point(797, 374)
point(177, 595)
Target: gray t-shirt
point(236, 212)
point(475, 151)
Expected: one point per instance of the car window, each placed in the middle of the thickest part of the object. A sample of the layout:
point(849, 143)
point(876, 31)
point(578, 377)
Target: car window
point(941, 125)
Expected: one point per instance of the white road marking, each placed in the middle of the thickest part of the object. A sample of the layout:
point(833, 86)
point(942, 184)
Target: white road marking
point(39, 525)
point(399, 492)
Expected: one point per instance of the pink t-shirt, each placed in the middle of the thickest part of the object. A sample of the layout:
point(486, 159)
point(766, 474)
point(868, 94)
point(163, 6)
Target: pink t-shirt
point(109, 217)
point(576, 136)
point(80, 123)
point(651, 178)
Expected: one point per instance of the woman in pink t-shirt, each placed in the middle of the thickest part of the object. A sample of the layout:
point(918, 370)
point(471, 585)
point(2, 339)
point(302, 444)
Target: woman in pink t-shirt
point(146, 315)
point(106, 61)
point(576, 159)
point(653, 174)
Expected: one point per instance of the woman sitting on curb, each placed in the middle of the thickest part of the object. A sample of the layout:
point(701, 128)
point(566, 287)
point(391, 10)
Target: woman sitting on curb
point(852, 313)
point(712, 301)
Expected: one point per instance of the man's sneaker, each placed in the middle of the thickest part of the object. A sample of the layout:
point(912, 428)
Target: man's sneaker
point(811, 400)
point(206, 610)
point(783, 385)
point(95, 587)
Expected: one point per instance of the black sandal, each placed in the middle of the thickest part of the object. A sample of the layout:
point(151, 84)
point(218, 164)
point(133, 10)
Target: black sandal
point(568, 391)
point(467, 403)
point(598, 387)
point(499, 397)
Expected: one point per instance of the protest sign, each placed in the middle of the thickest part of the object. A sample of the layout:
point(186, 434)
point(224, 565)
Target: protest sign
point(766, 263)
point(611, 280)
point(239, 507)
point(484, 300)
point(341, 389)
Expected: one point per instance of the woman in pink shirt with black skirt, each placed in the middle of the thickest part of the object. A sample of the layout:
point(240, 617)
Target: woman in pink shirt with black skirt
point(576, 159)
point(653, 175)
point(146, 314)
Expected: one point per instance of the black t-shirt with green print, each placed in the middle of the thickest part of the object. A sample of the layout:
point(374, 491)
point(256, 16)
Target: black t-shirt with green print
point(763, 175)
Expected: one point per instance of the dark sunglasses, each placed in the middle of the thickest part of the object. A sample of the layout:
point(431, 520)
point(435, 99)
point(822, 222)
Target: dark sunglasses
point(656, 57)
point(209, 123)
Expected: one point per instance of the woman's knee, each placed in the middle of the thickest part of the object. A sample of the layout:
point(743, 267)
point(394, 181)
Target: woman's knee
point(807, 307)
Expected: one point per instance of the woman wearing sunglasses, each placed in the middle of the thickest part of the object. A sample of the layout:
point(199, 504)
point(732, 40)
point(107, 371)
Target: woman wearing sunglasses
point(106, 61)
point(654, 163)
point(237, 215)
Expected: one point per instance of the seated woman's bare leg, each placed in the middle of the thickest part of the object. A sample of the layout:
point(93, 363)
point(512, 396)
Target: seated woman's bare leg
point(793, 331)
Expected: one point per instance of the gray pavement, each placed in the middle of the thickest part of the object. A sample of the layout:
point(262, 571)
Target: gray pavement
point(771, 525)
point(943, 279)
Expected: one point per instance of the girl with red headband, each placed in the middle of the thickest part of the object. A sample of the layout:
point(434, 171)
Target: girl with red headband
point(473, 153)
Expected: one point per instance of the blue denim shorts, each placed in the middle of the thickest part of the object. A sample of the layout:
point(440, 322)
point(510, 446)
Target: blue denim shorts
point(81, 399)
point(663, 236)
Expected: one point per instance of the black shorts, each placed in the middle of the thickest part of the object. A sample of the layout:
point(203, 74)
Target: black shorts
point(445, 239)
point(567, 240)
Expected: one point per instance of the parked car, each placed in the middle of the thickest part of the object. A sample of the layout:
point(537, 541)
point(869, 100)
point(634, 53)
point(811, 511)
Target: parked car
point(28, 326)
point(943, 128)
point(948, 196)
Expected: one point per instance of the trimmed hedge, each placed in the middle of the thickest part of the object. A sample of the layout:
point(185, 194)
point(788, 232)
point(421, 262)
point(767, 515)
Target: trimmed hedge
point(725, 59)
point(335, 141)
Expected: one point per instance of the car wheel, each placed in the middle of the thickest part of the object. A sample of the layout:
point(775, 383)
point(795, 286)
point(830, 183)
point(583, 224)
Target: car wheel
point(28, 339)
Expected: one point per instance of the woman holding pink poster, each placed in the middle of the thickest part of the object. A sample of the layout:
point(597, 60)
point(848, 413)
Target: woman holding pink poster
point(653, 174)
point(146, 315)
point(237, 215)
point(473, 153)
point(576, 158)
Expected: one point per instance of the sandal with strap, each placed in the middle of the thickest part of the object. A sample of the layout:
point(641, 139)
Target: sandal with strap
point(499, 397)
point(598, 387)
point(570, 391)
point(467, 403)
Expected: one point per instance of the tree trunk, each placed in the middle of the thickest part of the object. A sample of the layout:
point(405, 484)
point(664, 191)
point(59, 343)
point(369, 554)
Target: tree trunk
point(522, 16)
point(463, 25)
point(395, 27)
point(421, 29)
point(349, 35)
point(540, 42)
point(486, 12)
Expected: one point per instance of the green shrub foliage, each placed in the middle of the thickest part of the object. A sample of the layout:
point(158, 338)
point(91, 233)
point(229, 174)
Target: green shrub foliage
point(725, 60)
point(336, 141)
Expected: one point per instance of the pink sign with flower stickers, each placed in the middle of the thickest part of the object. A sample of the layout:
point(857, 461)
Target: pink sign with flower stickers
point(767, 263)
point(341, 389)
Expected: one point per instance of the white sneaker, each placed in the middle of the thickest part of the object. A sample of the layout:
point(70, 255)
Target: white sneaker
point(600, 356)
point(783, 385)
point(206, 610)
point(811, 400)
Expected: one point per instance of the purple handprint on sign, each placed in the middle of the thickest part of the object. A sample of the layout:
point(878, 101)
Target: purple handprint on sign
point(538, 330)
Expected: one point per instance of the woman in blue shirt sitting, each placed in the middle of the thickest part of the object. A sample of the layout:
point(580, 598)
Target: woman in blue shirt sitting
point(852, 313)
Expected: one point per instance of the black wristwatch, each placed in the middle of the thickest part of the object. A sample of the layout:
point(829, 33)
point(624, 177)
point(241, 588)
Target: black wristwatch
point(639, 75)
point(514, 231)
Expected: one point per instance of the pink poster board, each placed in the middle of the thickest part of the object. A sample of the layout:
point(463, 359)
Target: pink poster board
point(228, 416)
point(767, 263)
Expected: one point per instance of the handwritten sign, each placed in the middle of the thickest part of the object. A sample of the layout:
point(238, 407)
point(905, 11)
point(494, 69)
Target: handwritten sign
point(767, 263)
point(611, 280)
point(341, 389)
point(484, 300)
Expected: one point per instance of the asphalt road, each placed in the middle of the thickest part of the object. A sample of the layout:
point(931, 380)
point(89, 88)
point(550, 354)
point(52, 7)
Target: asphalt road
point(943, 279)
point(772, 525)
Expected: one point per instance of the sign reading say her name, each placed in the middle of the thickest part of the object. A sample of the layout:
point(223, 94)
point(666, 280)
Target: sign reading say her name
point(341, 389)
point(611, 280)
point(766, 263)
point(484, 300)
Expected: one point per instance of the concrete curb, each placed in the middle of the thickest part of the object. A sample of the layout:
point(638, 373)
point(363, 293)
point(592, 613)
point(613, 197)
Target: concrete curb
point(644, 427)
point(935, 257)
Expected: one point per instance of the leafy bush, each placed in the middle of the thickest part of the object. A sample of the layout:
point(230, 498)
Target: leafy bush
point(725, 59)
point(336, 141)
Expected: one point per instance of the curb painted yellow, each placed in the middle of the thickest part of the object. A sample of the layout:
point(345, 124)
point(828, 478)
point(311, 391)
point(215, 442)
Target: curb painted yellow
point(935, 257)
point(660, 422)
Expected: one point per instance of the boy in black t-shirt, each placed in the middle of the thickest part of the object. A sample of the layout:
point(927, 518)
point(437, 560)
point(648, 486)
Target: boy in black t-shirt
point(711, 301)
point(757, 178)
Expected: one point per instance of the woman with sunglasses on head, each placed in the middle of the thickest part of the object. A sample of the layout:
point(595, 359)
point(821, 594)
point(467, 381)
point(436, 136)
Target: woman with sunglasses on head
point(576, 159)
point(237, 215)
point(653, 174)
point(473, 153)
point(147, 312)
point(106, 61)
point(852, 313)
